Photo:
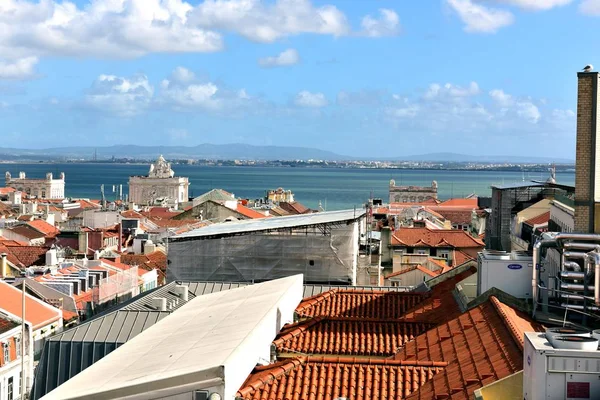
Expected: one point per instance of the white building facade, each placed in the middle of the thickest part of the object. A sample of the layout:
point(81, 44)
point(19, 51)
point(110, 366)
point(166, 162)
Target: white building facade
point(11, 359)
point(48, 188)
point(160, 187)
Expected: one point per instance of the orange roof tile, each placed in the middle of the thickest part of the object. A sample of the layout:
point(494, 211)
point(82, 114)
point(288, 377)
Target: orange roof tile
point(329, 378)
point(348, 336)
point(7, 324)
point(248, 212)
point(471, 202)
point(358, 303)
point(22, 256)
point(44, 227)
point(6, 190)
point(38, 313)
point(479, 346)
point(132, 214)
point(437, 262)
point(539, 220)
point(460, 257)
point(160, 213)
point(434, 238)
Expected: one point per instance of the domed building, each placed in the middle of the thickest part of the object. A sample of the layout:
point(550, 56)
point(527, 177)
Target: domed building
point(160, 187)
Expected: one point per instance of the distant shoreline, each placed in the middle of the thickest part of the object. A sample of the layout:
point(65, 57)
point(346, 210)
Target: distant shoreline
point(469, 166)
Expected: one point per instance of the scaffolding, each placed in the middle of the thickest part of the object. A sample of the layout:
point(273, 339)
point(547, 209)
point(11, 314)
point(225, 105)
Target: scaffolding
point(325, 251)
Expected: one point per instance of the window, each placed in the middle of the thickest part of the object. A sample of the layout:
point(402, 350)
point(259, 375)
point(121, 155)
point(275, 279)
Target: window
point(443, 255)
point(9, 389)
point(18, 345)
point(43, 194)
point(421, 251)
point(6, 353)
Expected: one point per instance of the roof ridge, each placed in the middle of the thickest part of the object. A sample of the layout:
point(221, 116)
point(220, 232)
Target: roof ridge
point(514, 332)
point(269, 373)
point(373, 361)
point(312, 300)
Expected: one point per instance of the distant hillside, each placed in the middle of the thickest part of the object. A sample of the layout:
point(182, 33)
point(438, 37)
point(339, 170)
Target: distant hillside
point(203, 151)
point(454, 157)
point(243, 152)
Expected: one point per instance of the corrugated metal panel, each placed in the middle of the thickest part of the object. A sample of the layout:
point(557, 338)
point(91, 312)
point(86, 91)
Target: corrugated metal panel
point(269, 224)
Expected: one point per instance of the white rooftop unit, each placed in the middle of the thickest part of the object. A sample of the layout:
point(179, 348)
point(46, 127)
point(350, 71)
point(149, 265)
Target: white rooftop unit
point(211, 344)
point(509, 272)
point(553, 373)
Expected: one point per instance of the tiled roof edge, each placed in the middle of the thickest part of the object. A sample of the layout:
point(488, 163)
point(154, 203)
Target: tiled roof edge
point(514, 333)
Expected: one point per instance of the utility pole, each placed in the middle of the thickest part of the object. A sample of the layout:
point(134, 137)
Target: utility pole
point(23, 377)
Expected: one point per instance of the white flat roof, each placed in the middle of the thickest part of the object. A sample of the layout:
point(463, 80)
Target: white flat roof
point(190, 348)
point(274, 223)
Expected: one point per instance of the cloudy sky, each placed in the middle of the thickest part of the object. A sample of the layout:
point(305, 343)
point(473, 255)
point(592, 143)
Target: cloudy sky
point(358, 77)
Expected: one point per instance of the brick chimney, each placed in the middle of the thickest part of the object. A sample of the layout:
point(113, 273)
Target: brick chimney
point(587, 175)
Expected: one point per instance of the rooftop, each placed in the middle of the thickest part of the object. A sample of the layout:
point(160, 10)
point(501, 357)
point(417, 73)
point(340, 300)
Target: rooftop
point(331, 378)
point(37, 313)
point(27, 232)
point(6, 324)
point(166, 357)
point(42, 226)
point(425, 237)
point(270, 224)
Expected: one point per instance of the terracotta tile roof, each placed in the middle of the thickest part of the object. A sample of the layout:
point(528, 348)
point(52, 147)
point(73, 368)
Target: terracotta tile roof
point(38, 313)
point(348, 336)
point(437, 262)
point(460, 257)
point(173, 223)
point(248, 212)
point(7, 324)
point(294, 207)
point(27, 232)
point(401, 272)
point(43, 227)
point(22, 256)
point(425, 237)
point(6, 190)
point(25, 217)
point(439, 305)
point(86, 204)
point(463, 217)
point(329, 378)
point(6, 210)
point(132, 214)
point(539, 220)
point(358, 304)
point(278, 211)
point(69, 315)
point(147, 262)
point(479, 345)
point(471, 202)
point(116, 264)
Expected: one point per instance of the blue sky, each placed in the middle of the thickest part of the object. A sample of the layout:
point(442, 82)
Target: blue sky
point(366, 78)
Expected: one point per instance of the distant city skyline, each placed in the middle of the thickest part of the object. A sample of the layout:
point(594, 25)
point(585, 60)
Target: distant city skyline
point(359, 78)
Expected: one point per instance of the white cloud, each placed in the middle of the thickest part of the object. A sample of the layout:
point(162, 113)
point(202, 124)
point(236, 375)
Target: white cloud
point(450, 91)
point(269, 22)
point(535, 5)
point(479, 18)
point(501, 98)
point(590, 7)
point(388, 24)
point(183, 91)
point(124, 97)
point(308, 99)
point(563, 114)
point(23, 68)
point(285, 58)
point(528, 111)
point(105, 28)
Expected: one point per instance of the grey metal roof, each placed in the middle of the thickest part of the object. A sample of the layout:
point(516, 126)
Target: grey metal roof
point(518, 185)
point(70, 352)
point(270, 224)
point(46, 292)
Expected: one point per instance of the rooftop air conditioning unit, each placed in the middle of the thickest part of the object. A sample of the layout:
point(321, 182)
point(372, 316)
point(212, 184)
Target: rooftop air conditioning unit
point(569, 369)
point(159, 303)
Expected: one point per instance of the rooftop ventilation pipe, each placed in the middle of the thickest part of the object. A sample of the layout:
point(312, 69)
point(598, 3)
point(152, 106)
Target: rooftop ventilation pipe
point(182, 292)
point(160, 303)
